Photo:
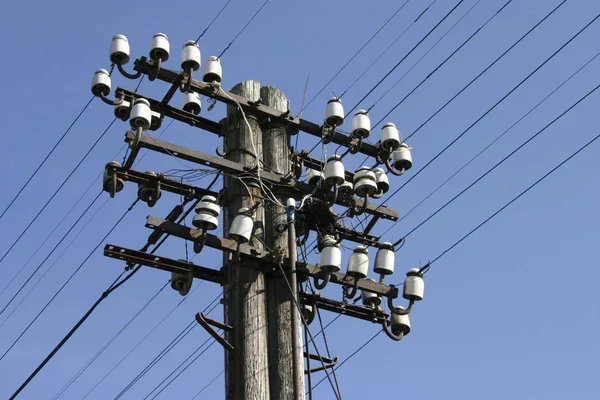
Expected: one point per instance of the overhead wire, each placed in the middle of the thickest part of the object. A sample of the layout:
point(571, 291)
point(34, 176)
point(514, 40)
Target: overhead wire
point(339, 71)
point(243, 29)
point(213, 20)
point(69, 279)
point(490, 110)
point(46, 158)
point(493, 141)
point(208, 384)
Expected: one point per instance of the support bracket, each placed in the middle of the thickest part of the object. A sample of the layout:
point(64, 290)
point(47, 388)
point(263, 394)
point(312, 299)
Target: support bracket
point(206, 324)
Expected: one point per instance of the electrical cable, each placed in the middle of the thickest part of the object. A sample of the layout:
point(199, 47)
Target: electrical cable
point(107, 344)
point(46, 158)
point(213, 20)
point(355, 55)
point(405, 56)
point(493, 142)
point(429, 75)
point(57, 190)
point(491, 109)
point(388, 48)
point(426, 268)
point(69, 279)
point(487, 68)
point(243, 29)
point(207, 385)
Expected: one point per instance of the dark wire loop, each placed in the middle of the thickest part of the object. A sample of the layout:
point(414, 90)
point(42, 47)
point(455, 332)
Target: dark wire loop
point(395, 311)
point(119, 100)
point(389, 332)
point(392, 170)
point(156, 71)
point(351, 290)
point(188, 283)
point(127, 74)
point(322, 279)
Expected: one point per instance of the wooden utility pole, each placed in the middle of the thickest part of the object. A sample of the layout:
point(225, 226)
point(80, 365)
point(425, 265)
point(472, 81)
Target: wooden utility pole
point(276, 157)
point(245, 300)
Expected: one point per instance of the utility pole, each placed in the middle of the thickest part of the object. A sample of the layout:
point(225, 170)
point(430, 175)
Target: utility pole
point(262, 323)
point(245, 298)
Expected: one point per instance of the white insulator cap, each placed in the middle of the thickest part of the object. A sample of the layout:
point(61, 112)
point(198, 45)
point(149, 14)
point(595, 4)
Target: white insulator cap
point(190, 56)
point(400, 323)
point(141, 114)
point(365, 182)
point(107, 179)
point(402, 158)
point(122, 110)
point(213, 70)
point(192, 103)
point(313, 176)
point(390, 136)
point(155, 121)
point(385, 259)
point(383, 183)
point(331, 255)
point(358, 264)
point(334, 171)
point(361, 124)
point(159, 47)
point(147, 193)
point(119, 50)
point(414, 285)
point(208, 205)
point(241, 227)
point(101, 83)
point(370, 299)
point(346, 189)
point(290, 202)
point(205, 221)
point(334, 112)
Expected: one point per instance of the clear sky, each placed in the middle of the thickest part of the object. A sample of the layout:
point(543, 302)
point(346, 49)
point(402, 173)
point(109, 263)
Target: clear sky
point(510, 312)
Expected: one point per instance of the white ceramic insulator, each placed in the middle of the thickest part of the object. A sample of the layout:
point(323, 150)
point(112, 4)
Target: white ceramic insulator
point(313, 176)
point(390, 136)
point(190, 56)
point(101, 83)
point(383, 183)
point(192, 103)
point(346, 189)
point(358, 264)
point(205, 207)
point(205, 221)
point(107, 179)
point(331, 258)
point(290, 202)
point(159, 47)
point(401, 322)
point(241, 228)
point(361, 124)
point(364, 173)
point(402, 158)
point(369, 298)
point(119, 50)
point(334, 171)
point(334, 112)
point(384, 261)
point(213, 70)
point(414, 286)
point(122, 110)
point(141, 114)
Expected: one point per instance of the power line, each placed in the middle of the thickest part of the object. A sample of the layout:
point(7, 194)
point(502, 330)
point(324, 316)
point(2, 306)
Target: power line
point(405, 56)
point(491, 109)
point(244, 28)
point(46, 158)
point(354, 56)
point(513, 200)
point(57, 190)
point(440, 65)
point(69, 279)
point(388, 48)
point(487, 68)
point(213, 21)
point(207, 385)
point(492, 143)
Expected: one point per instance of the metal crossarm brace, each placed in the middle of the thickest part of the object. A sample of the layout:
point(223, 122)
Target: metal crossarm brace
point(265, 260)
point(206, 324)
point(166, 264)
point(355, 311)
point(143, 66)
point(298, 189)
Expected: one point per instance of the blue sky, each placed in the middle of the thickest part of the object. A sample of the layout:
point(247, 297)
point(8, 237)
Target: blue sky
point(512, 311)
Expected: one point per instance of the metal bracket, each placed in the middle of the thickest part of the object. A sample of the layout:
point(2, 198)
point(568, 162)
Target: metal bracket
point(206, 324)
point(329, 362)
